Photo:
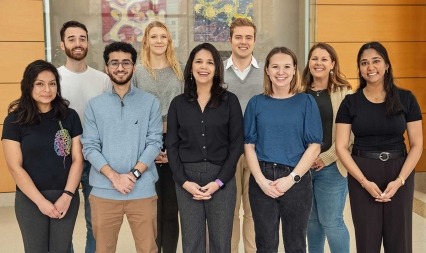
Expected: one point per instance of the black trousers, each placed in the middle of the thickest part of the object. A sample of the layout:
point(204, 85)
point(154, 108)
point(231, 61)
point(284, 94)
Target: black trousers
point(167, 210)
point(216, 214)
point(376, 221)
point(41, 233)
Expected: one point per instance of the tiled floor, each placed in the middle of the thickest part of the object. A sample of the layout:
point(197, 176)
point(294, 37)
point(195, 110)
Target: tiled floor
point(11, 242)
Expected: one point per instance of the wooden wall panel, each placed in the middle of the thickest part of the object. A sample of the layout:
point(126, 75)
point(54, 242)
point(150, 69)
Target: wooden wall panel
point(371, 2)
point(421, 165)
point(8, 93)
point(417, 86)
point(21, 42)
point(405, 58)
point(25, 26)
point(18, 55)
point(7, 184)
point(399, 24)
point(340, 23)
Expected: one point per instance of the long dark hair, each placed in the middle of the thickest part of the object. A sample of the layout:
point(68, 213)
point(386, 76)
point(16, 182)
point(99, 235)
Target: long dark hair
point(218, 90)
point(336, 81)
point(392, 101)
point(25, 107)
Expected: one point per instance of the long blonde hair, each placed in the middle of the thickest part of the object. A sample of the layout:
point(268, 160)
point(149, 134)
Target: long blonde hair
point(170, 52)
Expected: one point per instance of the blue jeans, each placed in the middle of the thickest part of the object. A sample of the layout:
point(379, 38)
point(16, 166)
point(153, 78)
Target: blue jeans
point(86, 189)
point(293, 208)
point(330, 190)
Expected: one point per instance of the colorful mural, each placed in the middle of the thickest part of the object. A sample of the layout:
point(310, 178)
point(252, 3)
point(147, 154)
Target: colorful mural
point(212, 18)
point(125, 20)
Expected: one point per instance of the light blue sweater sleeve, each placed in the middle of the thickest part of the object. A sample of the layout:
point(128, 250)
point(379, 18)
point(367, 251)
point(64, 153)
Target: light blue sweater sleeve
point(91, 140)
point(154, 136)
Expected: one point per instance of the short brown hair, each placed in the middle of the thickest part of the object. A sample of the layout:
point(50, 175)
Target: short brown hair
point(241, 22)
point(295, 86)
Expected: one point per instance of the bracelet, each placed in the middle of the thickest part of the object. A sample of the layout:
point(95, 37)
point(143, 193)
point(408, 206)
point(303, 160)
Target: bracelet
point(69, 193)
point(362, 182)
point(218, 182)
point(402, 180)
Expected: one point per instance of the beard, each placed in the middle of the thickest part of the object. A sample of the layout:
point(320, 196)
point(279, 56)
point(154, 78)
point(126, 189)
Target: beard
point(78, 57)
point(120, 82)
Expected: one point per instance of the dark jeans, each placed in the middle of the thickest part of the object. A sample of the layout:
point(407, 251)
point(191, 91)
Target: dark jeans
point(293, 208)
point(167, 210)
point(86, 189)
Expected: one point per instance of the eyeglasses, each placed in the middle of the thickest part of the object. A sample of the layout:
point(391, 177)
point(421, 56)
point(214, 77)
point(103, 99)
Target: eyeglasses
point(127, 64)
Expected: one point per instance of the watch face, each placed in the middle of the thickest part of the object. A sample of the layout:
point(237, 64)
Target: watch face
point(136, 173)
point(297, 178)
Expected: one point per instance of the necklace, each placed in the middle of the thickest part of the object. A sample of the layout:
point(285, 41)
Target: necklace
point(318, 92)
point(203, 103)
point(375, 97)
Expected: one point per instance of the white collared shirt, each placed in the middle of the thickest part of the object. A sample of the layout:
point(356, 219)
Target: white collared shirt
point(241, 74)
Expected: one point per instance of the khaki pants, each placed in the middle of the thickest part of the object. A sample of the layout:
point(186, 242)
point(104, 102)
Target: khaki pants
point(107, 217)
point(242, 176)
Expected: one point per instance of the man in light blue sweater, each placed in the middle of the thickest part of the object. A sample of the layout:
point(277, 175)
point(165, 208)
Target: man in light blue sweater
point(122, 137)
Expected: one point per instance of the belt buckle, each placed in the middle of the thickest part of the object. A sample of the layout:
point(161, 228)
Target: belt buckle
point(384, 156)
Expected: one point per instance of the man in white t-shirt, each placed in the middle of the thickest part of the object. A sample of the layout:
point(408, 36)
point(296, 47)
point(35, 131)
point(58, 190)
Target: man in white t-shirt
point(79, 83)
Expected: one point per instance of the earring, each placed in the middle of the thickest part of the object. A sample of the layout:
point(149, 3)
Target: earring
point(331, 72)
point(191, 75)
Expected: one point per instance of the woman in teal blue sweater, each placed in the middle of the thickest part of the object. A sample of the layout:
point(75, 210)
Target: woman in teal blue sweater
point(282, 129)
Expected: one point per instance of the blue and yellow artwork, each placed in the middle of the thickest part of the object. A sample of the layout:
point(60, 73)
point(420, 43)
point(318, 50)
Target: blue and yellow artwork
point(213, 17)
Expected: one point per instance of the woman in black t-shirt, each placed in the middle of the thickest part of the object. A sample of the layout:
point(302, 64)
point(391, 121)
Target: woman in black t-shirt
point(381, 180)
point(41, 144)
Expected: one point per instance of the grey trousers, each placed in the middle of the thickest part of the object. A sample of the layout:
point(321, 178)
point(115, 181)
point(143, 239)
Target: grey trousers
point(216, 213)
point(41, 233)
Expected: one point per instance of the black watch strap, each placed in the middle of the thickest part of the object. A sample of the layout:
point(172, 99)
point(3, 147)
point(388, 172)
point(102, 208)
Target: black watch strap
point(136, 173)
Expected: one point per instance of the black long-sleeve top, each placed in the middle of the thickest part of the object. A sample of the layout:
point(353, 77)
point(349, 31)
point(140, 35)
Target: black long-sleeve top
point(215, 136)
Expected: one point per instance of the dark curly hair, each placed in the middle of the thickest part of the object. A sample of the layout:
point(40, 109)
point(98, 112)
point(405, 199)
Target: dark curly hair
point(120, 47)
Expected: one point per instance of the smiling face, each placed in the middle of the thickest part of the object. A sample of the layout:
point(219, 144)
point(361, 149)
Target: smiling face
point(120, 67)
point(75, 43)
point(242, 41)
point(157, 41)
point(281, 71)
point(44, 90)
point(320, 63)
point(372, 67)
point(203, 67)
